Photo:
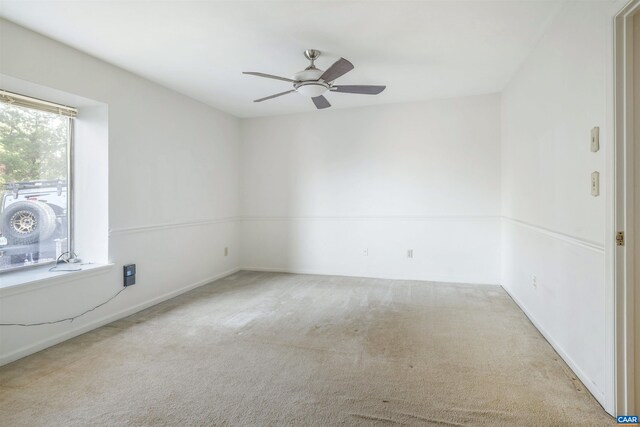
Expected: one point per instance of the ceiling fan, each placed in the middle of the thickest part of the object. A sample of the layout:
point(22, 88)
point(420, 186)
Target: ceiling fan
point(313, 82)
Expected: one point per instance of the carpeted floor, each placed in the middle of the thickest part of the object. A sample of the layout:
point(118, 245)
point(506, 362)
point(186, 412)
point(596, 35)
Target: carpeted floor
point(265, 349)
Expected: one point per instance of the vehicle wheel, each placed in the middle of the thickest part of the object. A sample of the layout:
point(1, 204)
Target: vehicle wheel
point(23, 223)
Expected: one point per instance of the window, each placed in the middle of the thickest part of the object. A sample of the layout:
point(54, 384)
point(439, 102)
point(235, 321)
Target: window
point(35, 197)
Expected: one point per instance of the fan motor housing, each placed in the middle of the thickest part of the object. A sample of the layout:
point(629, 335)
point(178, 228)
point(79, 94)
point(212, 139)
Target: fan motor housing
point(308, 82)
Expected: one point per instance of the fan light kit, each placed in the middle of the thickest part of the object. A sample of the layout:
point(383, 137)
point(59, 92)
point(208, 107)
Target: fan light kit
point(314, 83)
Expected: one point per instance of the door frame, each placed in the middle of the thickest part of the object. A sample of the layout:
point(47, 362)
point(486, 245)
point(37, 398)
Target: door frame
point(622, 257)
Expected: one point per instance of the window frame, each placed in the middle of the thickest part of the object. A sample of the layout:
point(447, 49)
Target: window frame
point(70, 114)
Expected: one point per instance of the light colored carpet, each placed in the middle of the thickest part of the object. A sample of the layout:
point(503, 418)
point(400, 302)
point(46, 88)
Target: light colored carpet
point(266, 349)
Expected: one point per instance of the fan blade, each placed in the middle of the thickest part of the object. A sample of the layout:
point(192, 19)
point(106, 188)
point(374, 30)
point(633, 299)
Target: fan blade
point(321, 102)
point(269, 76)
point(274, 96)
point(339, 68)
point(362, 89)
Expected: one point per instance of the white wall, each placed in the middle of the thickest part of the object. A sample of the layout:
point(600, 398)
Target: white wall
point(553, 228)
point(173, 192)
point(320, 189)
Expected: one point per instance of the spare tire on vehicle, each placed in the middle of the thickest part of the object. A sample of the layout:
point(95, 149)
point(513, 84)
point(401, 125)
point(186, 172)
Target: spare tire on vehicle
point(27, 222)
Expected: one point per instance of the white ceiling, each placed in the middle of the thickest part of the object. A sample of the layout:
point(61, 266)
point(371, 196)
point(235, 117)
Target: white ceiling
point(420, 50)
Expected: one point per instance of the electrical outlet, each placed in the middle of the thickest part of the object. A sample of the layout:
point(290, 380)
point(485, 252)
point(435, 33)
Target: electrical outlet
point(409, 253)
point(226, 251)
point(534, 281)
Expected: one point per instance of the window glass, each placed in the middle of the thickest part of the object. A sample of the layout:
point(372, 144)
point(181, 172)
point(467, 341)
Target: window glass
point(33, 186)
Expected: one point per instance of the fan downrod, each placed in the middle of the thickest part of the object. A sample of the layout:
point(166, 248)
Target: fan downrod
point(312, 55)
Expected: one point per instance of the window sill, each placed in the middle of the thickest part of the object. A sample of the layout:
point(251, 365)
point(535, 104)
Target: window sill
point(17, 282)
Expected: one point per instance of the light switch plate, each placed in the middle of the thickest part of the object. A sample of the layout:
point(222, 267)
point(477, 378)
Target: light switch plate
point(595, 139)
point(595, 184)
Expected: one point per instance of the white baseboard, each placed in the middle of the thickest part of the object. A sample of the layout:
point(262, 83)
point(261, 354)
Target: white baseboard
point(56, 339)
point(591, 386)
point(382, 276)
